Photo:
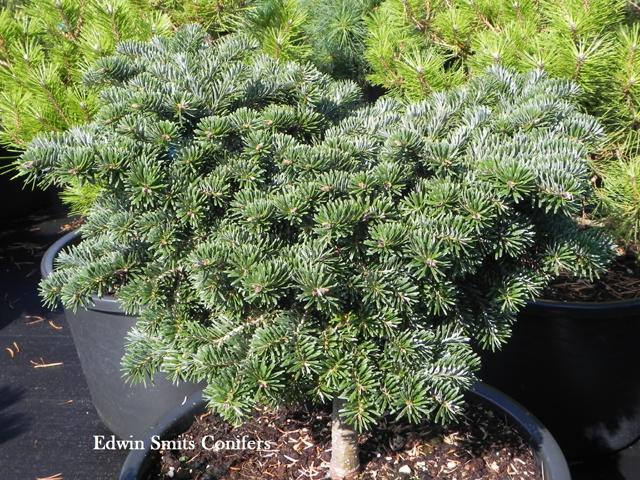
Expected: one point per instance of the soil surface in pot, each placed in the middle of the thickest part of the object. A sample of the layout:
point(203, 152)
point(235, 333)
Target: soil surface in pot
point(480, 446)
point(620, 282)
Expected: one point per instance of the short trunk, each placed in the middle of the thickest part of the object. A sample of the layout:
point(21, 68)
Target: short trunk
point(345, 463)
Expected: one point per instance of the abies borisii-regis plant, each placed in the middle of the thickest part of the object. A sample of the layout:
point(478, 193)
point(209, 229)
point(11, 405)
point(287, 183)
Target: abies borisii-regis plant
point(288, 244)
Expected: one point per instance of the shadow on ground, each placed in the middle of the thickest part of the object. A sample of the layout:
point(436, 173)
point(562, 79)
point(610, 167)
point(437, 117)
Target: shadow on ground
point(13, 423)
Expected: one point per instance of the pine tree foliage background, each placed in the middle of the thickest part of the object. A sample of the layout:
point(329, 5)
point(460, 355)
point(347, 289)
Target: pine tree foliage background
point(45, 44)
point(619, 193)
point(329, 33)
point(216, 16)
point(418, 47)
point(286, 244)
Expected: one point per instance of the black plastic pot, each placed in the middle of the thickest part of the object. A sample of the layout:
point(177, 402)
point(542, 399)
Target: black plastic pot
point(576, 366)
point(139, 463)
point(17, 200)
point(99, 336)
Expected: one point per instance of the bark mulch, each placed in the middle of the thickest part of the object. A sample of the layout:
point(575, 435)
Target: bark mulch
point(620, 282)
point(480, 446)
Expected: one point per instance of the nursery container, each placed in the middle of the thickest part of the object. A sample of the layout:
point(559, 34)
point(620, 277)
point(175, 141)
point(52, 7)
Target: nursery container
point(576, 367)
point(99, 334)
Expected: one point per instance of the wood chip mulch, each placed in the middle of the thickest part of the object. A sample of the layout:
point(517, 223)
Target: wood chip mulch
point(480, 446)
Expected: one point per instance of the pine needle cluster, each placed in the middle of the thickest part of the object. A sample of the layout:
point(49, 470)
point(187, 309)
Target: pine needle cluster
point(44, 46)
point(216, 16)
point(618, 195)
point(285, 243)
point(329, 33)
point(417, 47)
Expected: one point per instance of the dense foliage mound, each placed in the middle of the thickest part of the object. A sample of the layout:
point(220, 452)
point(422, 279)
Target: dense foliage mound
point(285, 243)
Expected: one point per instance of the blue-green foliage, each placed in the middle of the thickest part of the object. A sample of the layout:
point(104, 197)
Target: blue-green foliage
point(284, 243)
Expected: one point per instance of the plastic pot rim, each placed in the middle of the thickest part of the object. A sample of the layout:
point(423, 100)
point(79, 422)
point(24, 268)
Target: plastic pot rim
point(105, 304)
point(582, 310)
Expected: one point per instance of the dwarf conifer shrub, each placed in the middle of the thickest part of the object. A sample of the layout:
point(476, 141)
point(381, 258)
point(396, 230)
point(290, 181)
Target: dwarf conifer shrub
point(288, 245)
